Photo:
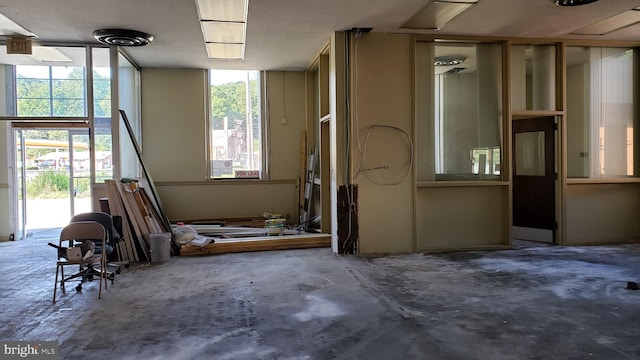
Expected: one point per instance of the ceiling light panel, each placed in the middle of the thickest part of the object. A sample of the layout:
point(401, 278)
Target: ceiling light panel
point(435, 15)
point(224, 27)
point(611, 24)
point(223, 32)
point(225, 51)
point(223, 10)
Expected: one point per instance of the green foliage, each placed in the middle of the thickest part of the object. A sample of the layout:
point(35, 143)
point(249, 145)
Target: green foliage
point(48, 184)
point(64, 94)
point(227, 100)
point(103, 142)
point(230, 100)
point(55, 185)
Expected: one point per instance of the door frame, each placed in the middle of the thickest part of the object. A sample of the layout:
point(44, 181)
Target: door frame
point(73, 128)
point(535, 234)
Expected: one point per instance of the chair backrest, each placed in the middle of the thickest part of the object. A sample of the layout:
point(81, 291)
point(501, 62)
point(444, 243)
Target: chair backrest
point(84, 230)
point(105, 220)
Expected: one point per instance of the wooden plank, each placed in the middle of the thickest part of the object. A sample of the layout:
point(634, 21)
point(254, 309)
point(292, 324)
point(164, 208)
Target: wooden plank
point(152, 188)
point(134, 213)
point(116, 208)
point(149, 221)
point(303, 172)
point(159, 223)
point(132, 221)
point(265, 243)
point(112, 199)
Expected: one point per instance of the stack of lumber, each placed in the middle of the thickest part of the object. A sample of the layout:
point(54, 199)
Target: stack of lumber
point(140, 218)
point(261, 243)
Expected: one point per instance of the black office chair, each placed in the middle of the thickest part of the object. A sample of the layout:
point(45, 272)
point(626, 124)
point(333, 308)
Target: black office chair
point(113, 226)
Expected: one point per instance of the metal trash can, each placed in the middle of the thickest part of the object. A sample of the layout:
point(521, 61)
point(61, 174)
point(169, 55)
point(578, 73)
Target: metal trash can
point(160, 247)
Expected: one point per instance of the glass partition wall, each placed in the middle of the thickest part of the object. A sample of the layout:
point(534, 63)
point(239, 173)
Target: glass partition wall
point(62, 116)
point(600, 112)
point(462, 137)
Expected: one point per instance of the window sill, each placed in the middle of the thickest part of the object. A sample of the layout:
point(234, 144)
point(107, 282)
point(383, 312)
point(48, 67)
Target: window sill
point(213, 182)
point(478, 183)
point(621, 180)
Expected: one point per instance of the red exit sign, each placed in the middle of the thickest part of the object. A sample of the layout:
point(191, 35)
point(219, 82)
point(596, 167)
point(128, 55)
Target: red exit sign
point(19, 46)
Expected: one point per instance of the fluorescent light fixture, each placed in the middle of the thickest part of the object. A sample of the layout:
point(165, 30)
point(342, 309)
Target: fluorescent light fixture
point(616, 22)
point(47, 54)
point(9, 28)
point(436, 14)
point(223, 10)
point(223, 32)
point(224, 27)
point(225, 51)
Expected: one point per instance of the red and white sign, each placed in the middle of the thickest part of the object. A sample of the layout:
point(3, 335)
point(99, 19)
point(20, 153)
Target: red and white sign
point(254, 174)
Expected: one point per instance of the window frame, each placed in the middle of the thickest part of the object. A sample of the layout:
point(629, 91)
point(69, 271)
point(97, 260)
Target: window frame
point(261, 135)
point(589, 123)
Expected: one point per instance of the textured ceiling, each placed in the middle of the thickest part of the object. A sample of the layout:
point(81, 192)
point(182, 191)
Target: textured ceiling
point(288, 34)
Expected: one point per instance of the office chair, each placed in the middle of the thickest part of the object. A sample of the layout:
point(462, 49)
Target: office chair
point(78, 234)
point(113, 226)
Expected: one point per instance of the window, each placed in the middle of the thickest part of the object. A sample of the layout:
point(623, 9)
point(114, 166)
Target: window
point(235, 124)
point(50, 91)
point(103, 140)
point(459, 111)
point(533, 77)
point(600, 116)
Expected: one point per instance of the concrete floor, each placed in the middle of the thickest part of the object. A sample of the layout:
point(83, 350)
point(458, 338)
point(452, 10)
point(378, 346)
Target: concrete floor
point(528, 303)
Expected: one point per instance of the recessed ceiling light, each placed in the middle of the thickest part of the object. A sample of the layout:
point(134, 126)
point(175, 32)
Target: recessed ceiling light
point(573, 2)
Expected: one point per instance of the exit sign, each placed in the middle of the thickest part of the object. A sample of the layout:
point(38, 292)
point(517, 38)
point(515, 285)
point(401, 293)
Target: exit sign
point(19, 46)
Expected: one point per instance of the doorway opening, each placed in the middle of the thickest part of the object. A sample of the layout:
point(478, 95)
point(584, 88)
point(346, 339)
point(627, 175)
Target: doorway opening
point(534, 179)
point(53, 174)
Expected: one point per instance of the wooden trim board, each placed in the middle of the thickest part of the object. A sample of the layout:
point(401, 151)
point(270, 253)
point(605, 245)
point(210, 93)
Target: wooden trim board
point(262, 243)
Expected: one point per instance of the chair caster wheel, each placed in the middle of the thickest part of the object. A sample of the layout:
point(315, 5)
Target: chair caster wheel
point(79, 288)
point(118, 271)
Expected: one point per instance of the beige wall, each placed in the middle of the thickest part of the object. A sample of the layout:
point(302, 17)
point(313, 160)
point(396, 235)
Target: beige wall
point(450, 218)
point(287, 123)
point(173, 124)
point(174, 148)
point(384, 97)
point(602, 213)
